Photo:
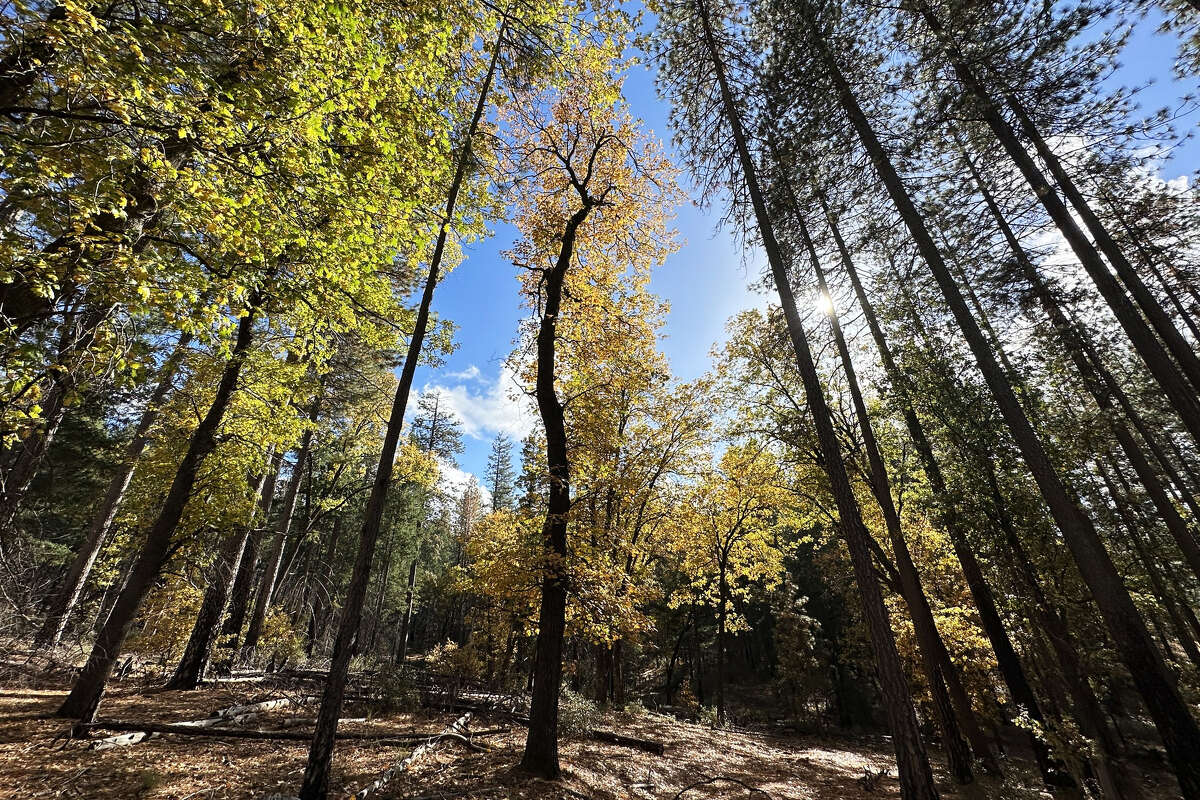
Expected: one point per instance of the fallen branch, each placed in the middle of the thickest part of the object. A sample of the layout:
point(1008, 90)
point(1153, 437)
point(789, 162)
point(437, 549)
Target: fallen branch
point(265, 705)
point(185, 729)
point(297, 721)
point(127, 739)
point(649, 745)
point(455, 729)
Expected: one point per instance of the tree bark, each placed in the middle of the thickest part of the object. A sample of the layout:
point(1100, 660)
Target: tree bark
point(189, 672)
point(1109, 766)
point(541, 746)
point(1087, 363)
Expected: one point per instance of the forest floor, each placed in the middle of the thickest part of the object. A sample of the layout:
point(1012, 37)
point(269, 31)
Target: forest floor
point(36, 761)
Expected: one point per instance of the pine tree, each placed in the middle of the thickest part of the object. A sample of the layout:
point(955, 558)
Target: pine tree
point(499, 475)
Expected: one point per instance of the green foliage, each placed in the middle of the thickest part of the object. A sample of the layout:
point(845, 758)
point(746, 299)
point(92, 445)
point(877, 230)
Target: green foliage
point(577, 715)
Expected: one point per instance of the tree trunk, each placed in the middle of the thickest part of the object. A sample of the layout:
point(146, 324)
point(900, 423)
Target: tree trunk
point(1176, 726)
point(1145, 299)
point(159, 543)
point(270, 576)
point(189, 673)
point(940, 671)
point(722, 714)
point(406, 625)
point(315, 785)
point(541, 746)
point(1006, 656)
point(62, 605)
point(243, 584)
point(916, 779)
point(1110, 763)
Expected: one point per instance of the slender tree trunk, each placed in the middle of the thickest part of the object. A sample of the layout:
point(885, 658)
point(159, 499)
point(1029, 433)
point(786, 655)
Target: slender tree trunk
point(315, 785)
point(722, 714)
point(1176, 726)
point(916, 778)
point(270, 576)
point(1124, 500)
point(189, 672)
point(1151, 262)
point(406, 625)
point(159, 544)
point(1145, 299)
point(1006, 656)
point(63, 603)
point(243, 584)
point(935, 658)
point(316, 627)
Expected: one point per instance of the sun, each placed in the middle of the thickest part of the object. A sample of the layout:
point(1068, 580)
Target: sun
point(824, 304)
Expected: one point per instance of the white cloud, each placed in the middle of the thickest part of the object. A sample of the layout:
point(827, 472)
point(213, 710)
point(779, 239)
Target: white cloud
point(469, 374)
point(454, 479)
point(486, 409)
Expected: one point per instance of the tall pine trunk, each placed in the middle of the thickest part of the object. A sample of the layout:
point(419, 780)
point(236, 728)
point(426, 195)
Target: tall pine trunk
point(315, 785)
point(1086, 361)
point(916, 778)
point(935, 658)
point(1176, 726)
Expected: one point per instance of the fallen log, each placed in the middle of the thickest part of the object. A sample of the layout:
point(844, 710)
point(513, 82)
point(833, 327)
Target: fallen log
point(456, 729)
point(187, 729)
point(265, 705)
point(126, 739)
point(297, 721)
point(649, 745)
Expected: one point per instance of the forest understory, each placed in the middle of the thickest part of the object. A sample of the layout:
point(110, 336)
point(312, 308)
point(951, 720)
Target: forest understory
point(40, 759)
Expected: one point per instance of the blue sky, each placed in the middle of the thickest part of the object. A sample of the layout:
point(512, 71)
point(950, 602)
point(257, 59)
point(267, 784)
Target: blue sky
point(705, 282)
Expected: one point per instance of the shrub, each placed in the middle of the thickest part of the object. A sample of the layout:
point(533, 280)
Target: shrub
point(397, 691)
point(576, 714)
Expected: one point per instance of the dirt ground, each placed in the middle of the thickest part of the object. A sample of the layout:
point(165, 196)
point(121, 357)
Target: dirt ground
point(37, 762)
